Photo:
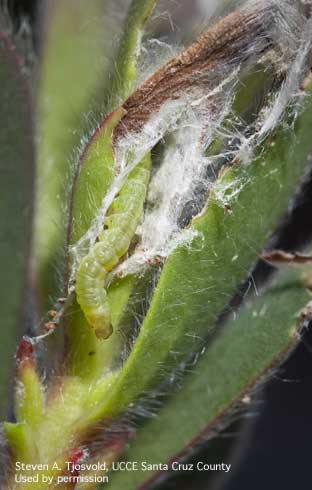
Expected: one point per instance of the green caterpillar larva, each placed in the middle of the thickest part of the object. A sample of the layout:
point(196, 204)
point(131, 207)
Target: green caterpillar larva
point(120, 225)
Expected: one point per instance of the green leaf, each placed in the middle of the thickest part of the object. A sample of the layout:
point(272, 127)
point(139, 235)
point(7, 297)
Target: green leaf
point(16, 196)
point(86, 354)
point(199, 278)
point(29, 400)
point(95, 176)
point(74, 65)
point(126, 69)
point(261, 336)
point(19, 437)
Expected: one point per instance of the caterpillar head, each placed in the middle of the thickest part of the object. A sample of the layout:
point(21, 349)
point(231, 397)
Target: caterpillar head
point(100, 322)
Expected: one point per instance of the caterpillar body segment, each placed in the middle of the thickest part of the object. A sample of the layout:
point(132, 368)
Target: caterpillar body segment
point(121, 222)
